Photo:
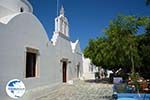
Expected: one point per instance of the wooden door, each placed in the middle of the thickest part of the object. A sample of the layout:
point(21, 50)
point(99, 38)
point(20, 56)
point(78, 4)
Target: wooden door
point(78, 70)
point(64, 72)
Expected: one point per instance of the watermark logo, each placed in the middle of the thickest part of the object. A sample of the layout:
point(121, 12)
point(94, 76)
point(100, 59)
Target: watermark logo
point(15, 88)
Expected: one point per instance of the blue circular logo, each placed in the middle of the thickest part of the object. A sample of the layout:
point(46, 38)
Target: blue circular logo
point(15, 88)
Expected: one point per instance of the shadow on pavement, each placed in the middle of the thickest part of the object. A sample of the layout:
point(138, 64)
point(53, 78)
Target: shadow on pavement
point(104, 81)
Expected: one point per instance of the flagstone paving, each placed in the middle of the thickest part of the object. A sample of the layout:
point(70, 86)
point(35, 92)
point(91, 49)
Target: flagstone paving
point(80, 90)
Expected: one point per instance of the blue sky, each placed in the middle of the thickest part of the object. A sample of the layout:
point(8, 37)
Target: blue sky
point(87, 18)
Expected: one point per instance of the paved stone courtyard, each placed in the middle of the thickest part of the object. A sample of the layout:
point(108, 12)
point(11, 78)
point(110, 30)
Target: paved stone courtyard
point(80, 90)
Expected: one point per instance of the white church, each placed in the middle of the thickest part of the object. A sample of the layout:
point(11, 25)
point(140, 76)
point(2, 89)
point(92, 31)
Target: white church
point(27, 54)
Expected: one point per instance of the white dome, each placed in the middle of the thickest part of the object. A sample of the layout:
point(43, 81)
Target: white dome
point(8, 7)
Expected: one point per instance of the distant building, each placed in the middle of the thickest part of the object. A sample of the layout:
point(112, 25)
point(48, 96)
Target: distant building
point(27, 54)
point(89, 69)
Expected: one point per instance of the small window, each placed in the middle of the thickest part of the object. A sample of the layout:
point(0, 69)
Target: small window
point(31, 63)
point(21, 9)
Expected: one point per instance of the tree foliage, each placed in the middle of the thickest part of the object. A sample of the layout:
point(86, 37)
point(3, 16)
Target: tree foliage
point(121, 34)
point(144, 48)
point(122, 46)
point(147, 2)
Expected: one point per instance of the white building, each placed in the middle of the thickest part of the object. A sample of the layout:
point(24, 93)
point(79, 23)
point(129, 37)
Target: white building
point(89, 69)
point(27, 54)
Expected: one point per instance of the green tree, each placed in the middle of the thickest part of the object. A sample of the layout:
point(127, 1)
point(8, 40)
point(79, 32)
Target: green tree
point(97, 51)
point(147, 2)
point(144, 47)
point(123, 46)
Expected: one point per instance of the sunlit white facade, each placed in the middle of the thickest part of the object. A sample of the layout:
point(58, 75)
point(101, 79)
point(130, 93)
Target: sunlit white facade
point(27, 54)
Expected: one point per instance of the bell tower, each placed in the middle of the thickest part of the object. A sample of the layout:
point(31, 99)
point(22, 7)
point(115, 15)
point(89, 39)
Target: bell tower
point(61, 24)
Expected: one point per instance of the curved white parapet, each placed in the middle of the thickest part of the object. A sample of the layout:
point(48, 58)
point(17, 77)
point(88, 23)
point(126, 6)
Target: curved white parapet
point(10, 7)
point(74, 45)
point(30, 8)
point(6, 19)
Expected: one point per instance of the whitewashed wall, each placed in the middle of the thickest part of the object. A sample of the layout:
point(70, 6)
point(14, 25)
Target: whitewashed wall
point(25, 30)
point(88, 69)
